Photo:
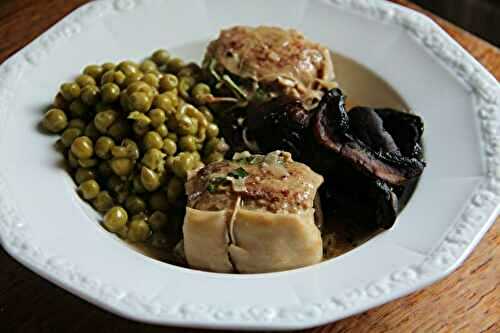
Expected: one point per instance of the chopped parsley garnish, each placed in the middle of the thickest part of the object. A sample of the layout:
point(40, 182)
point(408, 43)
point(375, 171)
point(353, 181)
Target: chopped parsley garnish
point(238, 173)
point(216, 182)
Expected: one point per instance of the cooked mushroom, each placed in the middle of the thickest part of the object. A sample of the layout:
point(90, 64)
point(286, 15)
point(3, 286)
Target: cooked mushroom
point(362, 139)
point(370, 158)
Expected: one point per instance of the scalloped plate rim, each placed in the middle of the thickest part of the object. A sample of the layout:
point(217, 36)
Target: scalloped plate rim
point(125, 312)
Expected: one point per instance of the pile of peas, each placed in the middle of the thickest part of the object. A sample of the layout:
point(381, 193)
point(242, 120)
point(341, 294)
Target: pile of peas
point(130, 134)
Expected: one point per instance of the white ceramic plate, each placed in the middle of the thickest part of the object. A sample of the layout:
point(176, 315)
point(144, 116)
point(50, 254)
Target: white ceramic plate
point(45, 226)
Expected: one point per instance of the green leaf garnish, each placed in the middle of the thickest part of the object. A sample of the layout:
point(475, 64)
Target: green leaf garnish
point(233, 86)
point(238, 173)
point(215, 183)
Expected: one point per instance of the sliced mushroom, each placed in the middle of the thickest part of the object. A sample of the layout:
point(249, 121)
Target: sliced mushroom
point(362, 139)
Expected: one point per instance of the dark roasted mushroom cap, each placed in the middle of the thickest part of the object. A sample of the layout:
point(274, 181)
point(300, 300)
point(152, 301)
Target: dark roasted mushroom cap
point(364, 140)
point(406, 129)
point(281, 124)
point(360, 201)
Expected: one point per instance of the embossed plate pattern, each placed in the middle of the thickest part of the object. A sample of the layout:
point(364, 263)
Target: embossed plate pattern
point(45, 226)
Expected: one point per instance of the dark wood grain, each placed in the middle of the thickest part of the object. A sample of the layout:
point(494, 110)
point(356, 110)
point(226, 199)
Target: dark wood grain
point(477, 16)
point(467, 301)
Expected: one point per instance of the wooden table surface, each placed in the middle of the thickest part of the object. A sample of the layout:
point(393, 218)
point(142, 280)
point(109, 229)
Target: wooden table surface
point(466, 301)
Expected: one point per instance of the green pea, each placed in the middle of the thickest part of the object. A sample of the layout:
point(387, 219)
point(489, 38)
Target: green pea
point(90, 95)
point(128, 67)
point(174, 65)
point(138, 230)
point(169, 147)
point(152, 140)
point(158, 201)
point(95, 71)
point(210, 146)
point(158, 220)
point(69, 135)
point(139, 118)
point(122, 166)
point(122, 196)
point(182, 164)
point(187, 125)
point(172, 136)
point(201, 92)
point(115, 183)
point(89, 189)
point(160, 57)
point(140, 129)
point(175, 189)
point(165, 103)
point(85, 80)
point(131, 148)
point(174, 97)
point(196, 155)
point(101, 106)
point(134, 204)
point(82, 147)
point(191, 111)
point(78, 109)
point(91, 131)
point(138, 86)
point(77, 123)
point(212, 130)
point(108, 66)
point(110, 92)
point(168, 82)
point(207, 114)
point(115, 219)
point(198, 165)
point(169, 162)
point(153, 159)
point(162, 130)
point(59, 146)
point(104, 170)
point(139, 101)
point(103, 120)
point(72, 160)
point(60, 102)
point(82, 175)
point(119, 78)
point(70, 91)
point(148, 66)
point(152, 80)
point(187, 143)
point(119, 130)
point(132, 78)
point(123, 232)
point(214, 157)
point(103, 147)
point(108, 77)
point(103, 201)
point(190, 69)
point(55, 120)
point(157, 117)
point(119, 151)
point(216, 145)
point(137, 186)
point(185, 84)
point(150, 179)
point(88, 163)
